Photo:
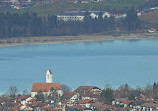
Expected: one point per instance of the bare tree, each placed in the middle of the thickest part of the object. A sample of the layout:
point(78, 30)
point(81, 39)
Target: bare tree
point(25, 92)
point(53, 96)
point(13, 90)
point(65, 88)
point(148, 90)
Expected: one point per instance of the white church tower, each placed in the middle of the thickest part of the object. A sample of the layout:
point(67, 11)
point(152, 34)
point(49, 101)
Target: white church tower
point(49, 77)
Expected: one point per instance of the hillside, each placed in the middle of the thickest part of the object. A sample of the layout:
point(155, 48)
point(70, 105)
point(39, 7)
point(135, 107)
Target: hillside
point(109, 5)
point(150, 19)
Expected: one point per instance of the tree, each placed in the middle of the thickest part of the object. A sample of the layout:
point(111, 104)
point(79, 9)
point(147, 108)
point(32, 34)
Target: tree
point(148, 90)
point(65, 88)
point(131, 97)
point(107, 96)
point(40, 96)
point(155, 89)
point(25, 92)
point(53, 96)
point(124, 90)
point(131, 21)
point(13, 90)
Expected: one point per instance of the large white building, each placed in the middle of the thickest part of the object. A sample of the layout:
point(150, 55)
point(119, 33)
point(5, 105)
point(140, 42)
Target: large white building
point(46, 87)
point(79, 15)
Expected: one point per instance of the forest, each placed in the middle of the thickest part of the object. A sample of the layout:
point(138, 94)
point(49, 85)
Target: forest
point(30, 25)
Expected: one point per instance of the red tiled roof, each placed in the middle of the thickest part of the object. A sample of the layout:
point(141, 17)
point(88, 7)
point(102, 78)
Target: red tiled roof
point(68, 95)
point(45, 87)
point(85, 101)
point(127, 101)
point(15, 108)
point(145, 99)
point(32, 100)
point(85, 88)
point(22, 97)
point(38, 104)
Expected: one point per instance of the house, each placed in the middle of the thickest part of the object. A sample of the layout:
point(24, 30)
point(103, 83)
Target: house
point(126, 103)
point(99, 106)
point(21, 98)
point(37, 105)
point(87, 103)
point(72, 97)
point(26, 108)
point(46, 87)
point(15, 108)
point(151, 30)
point(136, 105)
point(118, 101)
point(95, 14)
point(88, 89)
point(28, 100)
point(71, 16)
point(151, 106)
point(79, 15)
point(119, 15)
point(89, 96)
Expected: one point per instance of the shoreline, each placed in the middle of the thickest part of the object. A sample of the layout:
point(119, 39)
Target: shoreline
point(6, 42)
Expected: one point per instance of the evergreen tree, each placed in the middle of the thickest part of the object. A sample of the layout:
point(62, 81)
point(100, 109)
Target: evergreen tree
point(131, 21)
point(107, 96)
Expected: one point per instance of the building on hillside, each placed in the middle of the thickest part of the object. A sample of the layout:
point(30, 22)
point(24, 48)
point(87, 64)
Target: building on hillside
point(119, 15)
point(151, 30)
point(71, 97)
point(95, 14)
point(71, 16)
point(88, 89)
point(79, 15)
point(46, 87)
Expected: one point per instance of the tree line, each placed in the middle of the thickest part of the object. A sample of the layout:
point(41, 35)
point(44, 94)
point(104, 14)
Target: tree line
point(126, 91)
point(30, 24)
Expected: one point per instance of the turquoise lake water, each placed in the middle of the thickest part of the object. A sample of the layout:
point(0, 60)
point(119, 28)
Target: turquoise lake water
point(75, 64)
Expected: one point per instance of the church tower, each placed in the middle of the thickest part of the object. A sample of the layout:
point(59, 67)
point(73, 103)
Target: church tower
point(49, 76)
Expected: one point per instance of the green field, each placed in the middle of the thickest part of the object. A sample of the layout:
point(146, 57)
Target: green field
point(108, 5)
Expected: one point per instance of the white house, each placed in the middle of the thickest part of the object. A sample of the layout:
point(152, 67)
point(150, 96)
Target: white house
point(119, 15)
point(151, 30)
point(79, 15)
point(26, 108)
point(87, 103)
point(46, 87)
point(71, 97)
point(24, 102)
point(71, 16)
point(95, 14)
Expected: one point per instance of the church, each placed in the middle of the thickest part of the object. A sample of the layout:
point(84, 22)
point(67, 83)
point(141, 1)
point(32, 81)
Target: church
point(46, 87)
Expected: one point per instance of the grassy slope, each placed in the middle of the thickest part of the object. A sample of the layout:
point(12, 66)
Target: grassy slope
point(151, 19)
point(106, 5)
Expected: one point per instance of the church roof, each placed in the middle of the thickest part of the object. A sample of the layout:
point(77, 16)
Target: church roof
point(45, 87)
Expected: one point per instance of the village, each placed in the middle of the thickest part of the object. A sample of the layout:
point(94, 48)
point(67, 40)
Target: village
point(72, 15)
point(50, 96)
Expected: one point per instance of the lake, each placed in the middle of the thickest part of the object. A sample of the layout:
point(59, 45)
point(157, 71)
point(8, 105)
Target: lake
point(75, 64)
